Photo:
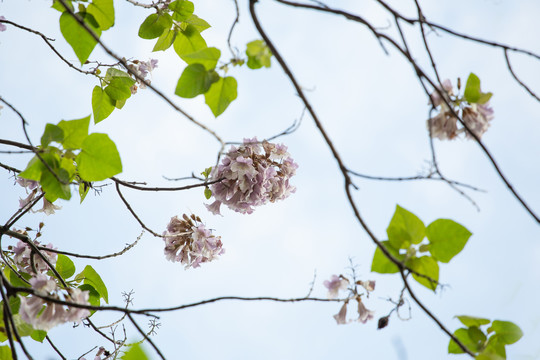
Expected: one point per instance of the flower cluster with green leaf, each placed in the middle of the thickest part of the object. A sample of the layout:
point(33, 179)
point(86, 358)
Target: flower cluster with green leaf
point(473, 108)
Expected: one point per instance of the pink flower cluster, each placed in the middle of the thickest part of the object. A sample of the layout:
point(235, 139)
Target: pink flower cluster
point(24, 257)
point(444, 125)
point(337, 283)
point(32, 308)
point(252, 175)
point(189, 242)
point(143, 69)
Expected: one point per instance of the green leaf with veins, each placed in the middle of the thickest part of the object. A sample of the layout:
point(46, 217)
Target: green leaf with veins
point(154, 25)
point(405, 229)
point(75, 131)
point(99, 158)
point(221, 94)
point(103, 12)
point(80, 40)
point(195, 80)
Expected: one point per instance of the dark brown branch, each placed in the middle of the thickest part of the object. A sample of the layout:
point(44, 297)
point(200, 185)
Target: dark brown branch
point(516, 77)
point(132, 186)
point(55, 348)
point(348, 182)
point(146, 337)
point(134, 214)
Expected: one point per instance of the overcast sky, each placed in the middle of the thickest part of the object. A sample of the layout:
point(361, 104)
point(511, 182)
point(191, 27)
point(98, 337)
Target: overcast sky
point(374, 110)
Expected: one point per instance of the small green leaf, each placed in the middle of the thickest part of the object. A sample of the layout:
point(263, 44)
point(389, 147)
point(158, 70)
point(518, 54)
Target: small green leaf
point(208, 57)
point(507, 332)
point(103, 12)
point(91, 277)
point(54, 188)
point(33, 169)
point(199, 24)
point(165, 40)
point(472, 321)
point(99, 159)
point(477, 336)
point(113, 72)
point(5, 351)
point(80, 40)
point(135, 353)
point(381, 264)
point(195, 80)
point(462, 335)
point(75, 131)
point(65, 266)
point(495, 349)
point(94, 297)
point(51, 133)
point(154, 25)
point(221, 94)
point(83, 190)
point(188, 41)
point(428, 266)
point(405, 229)
point(119, 88)
point(447, 239)
point(37, 335)
point(102, 104)
point(207, 193)
point(472, 89)
point(183, 9)
point(259, 54)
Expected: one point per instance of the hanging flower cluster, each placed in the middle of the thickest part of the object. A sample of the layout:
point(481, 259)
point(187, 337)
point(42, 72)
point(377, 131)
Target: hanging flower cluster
point(30, 262)
point(337, 283)
point(473, 108)
point(252, 175)
point(189, 242)
point(44, 315)
point(143, 69)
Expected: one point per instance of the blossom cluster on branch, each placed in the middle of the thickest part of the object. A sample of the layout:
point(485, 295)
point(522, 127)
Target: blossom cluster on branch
point(142, 69)
point(189, 242)
point(252, 175)
point(43, 314)
point(474, 110)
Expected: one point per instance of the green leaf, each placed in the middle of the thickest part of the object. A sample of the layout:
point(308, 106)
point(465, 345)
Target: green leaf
point(93, 295)
point(188, 41)
point(119, 104)
point(113, 72)
point(221, 94)
point(5, 351)
point(183, 9)
point(99, 159)
point(119, 88)
point(473, 93)
point(75, 131)
point(462, 335)
point(57, 5)
point(199, 24)
point(195, 80)
point(14, 279)
point(495, 349)
point(165, 40)
point(381, 264)
point(80, 40)
point(103, 12)
point(52, 187)
point(154, 25)
point(91, 277)
point(65, 266)
point(51, 133)
point(405, 229)
point(259, 54)
point(507, 332)
point(207, 193)
point(37, 335)
point(447, 239)
point(83, 190)
point(472, 321)
point(208, 57)
point(135, 353)
point(23, 328)
point(428, 266)
point(478, 337)
point(102, 104)
point(33, 169)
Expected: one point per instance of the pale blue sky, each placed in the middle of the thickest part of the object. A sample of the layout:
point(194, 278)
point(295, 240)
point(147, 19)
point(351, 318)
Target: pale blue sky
point(373, 108)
